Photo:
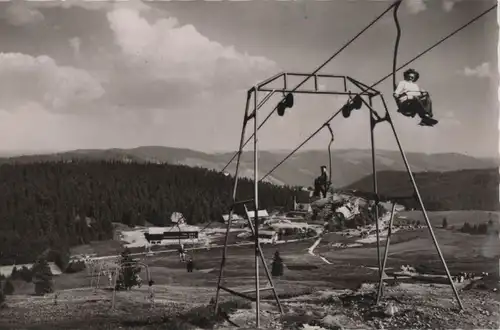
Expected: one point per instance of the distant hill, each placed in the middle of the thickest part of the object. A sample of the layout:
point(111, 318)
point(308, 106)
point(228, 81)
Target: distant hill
point(348, 166)
point(441, 191)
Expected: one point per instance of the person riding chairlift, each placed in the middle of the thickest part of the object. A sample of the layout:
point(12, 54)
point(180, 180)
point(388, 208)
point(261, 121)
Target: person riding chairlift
point(324, 193)
point(411, 98)
point(321, 184)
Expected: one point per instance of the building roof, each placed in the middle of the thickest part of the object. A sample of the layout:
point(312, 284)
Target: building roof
point(156, 230)
point(290, 225)
point(235, 217)
point(153, 237)
point(262, 213)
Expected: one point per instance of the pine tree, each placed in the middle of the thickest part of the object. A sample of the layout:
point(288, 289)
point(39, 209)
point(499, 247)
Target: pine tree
point(129, 272)
point(42, 277)
point(2, 296)
point(26, 274)
point(445, 223)
point(8, 287)
point(482, 229)
point(15, 273)
point(475, 229)
point(277, 268)
point(466, 228)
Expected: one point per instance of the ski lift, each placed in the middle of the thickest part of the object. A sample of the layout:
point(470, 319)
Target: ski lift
point(354, 103)
point(325, 185)
point(284, 104)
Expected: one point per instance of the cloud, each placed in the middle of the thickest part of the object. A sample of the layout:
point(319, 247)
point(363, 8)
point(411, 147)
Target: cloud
point(449, 4)
point(40, 80)
point(20, 14)
point(90, 4)
point(481, 71)
point(179, 55)
point(416, 6)
point(75, 44)
point(449, 119)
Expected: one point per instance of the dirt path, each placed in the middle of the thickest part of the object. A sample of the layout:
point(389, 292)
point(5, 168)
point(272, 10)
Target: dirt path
point(311, 251)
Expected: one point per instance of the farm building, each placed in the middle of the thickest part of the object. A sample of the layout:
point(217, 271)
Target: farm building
point(237, 221)
point(154, 235)
point(270, 235)
point(263, 215)
point(236, 217)
point(301, 205)
point(156, 230)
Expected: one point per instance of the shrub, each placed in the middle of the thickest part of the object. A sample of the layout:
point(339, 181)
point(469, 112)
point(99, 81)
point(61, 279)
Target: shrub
point(277, 268)
point(75, 267)
point(2, 297)
point(129, 272)
point(8, 287)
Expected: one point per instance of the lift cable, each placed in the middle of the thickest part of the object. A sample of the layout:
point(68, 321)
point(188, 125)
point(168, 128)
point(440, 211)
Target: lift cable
point(316, 71)
point(377, 83)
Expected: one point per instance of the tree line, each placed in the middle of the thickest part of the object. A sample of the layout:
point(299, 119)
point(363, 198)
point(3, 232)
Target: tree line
point(440, 191)
point(56, 205)
point(477, 229)
point(39, 274)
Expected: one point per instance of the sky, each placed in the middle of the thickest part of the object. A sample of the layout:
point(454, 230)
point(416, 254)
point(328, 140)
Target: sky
point(91, 74)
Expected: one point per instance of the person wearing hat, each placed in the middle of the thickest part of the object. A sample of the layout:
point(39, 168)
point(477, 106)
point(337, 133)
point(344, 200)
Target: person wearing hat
point(411, 98)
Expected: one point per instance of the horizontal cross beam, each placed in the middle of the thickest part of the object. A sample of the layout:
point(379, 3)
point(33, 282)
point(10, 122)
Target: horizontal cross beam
point(285, 87)
point(284, 90)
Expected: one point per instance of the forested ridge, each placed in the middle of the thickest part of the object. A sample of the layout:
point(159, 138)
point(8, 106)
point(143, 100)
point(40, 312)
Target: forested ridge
point(62, 204)
point(440, 191)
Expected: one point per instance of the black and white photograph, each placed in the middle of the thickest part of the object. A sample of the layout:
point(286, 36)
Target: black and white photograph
point(249, 164)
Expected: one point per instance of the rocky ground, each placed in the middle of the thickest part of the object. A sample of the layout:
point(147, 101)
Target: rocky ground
point(404, 306)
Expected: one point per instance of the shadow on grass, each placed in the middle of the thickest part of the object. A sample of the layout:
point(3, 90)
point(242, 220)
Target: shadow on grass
point(297, 321)
point(289, 294)
point(198, 317)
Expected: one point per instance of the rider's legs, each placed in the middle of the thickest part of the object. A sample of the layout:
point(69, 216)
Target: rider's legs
point(317, 188)
point(322, 190)
point(417, 106)
point(426, 104)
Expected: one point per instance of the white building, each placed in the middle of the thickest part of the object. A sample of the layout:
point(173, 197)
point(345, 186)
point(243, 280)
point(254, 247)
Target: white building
point(235, 218)
point(268, 236)
point(263, 215)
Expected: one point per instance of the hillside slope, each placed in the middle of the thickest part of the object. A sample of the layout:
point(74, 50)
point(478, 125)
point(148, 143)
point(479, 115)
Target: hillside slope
point(65, 204)
point(454, 190)
point(348, 166)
